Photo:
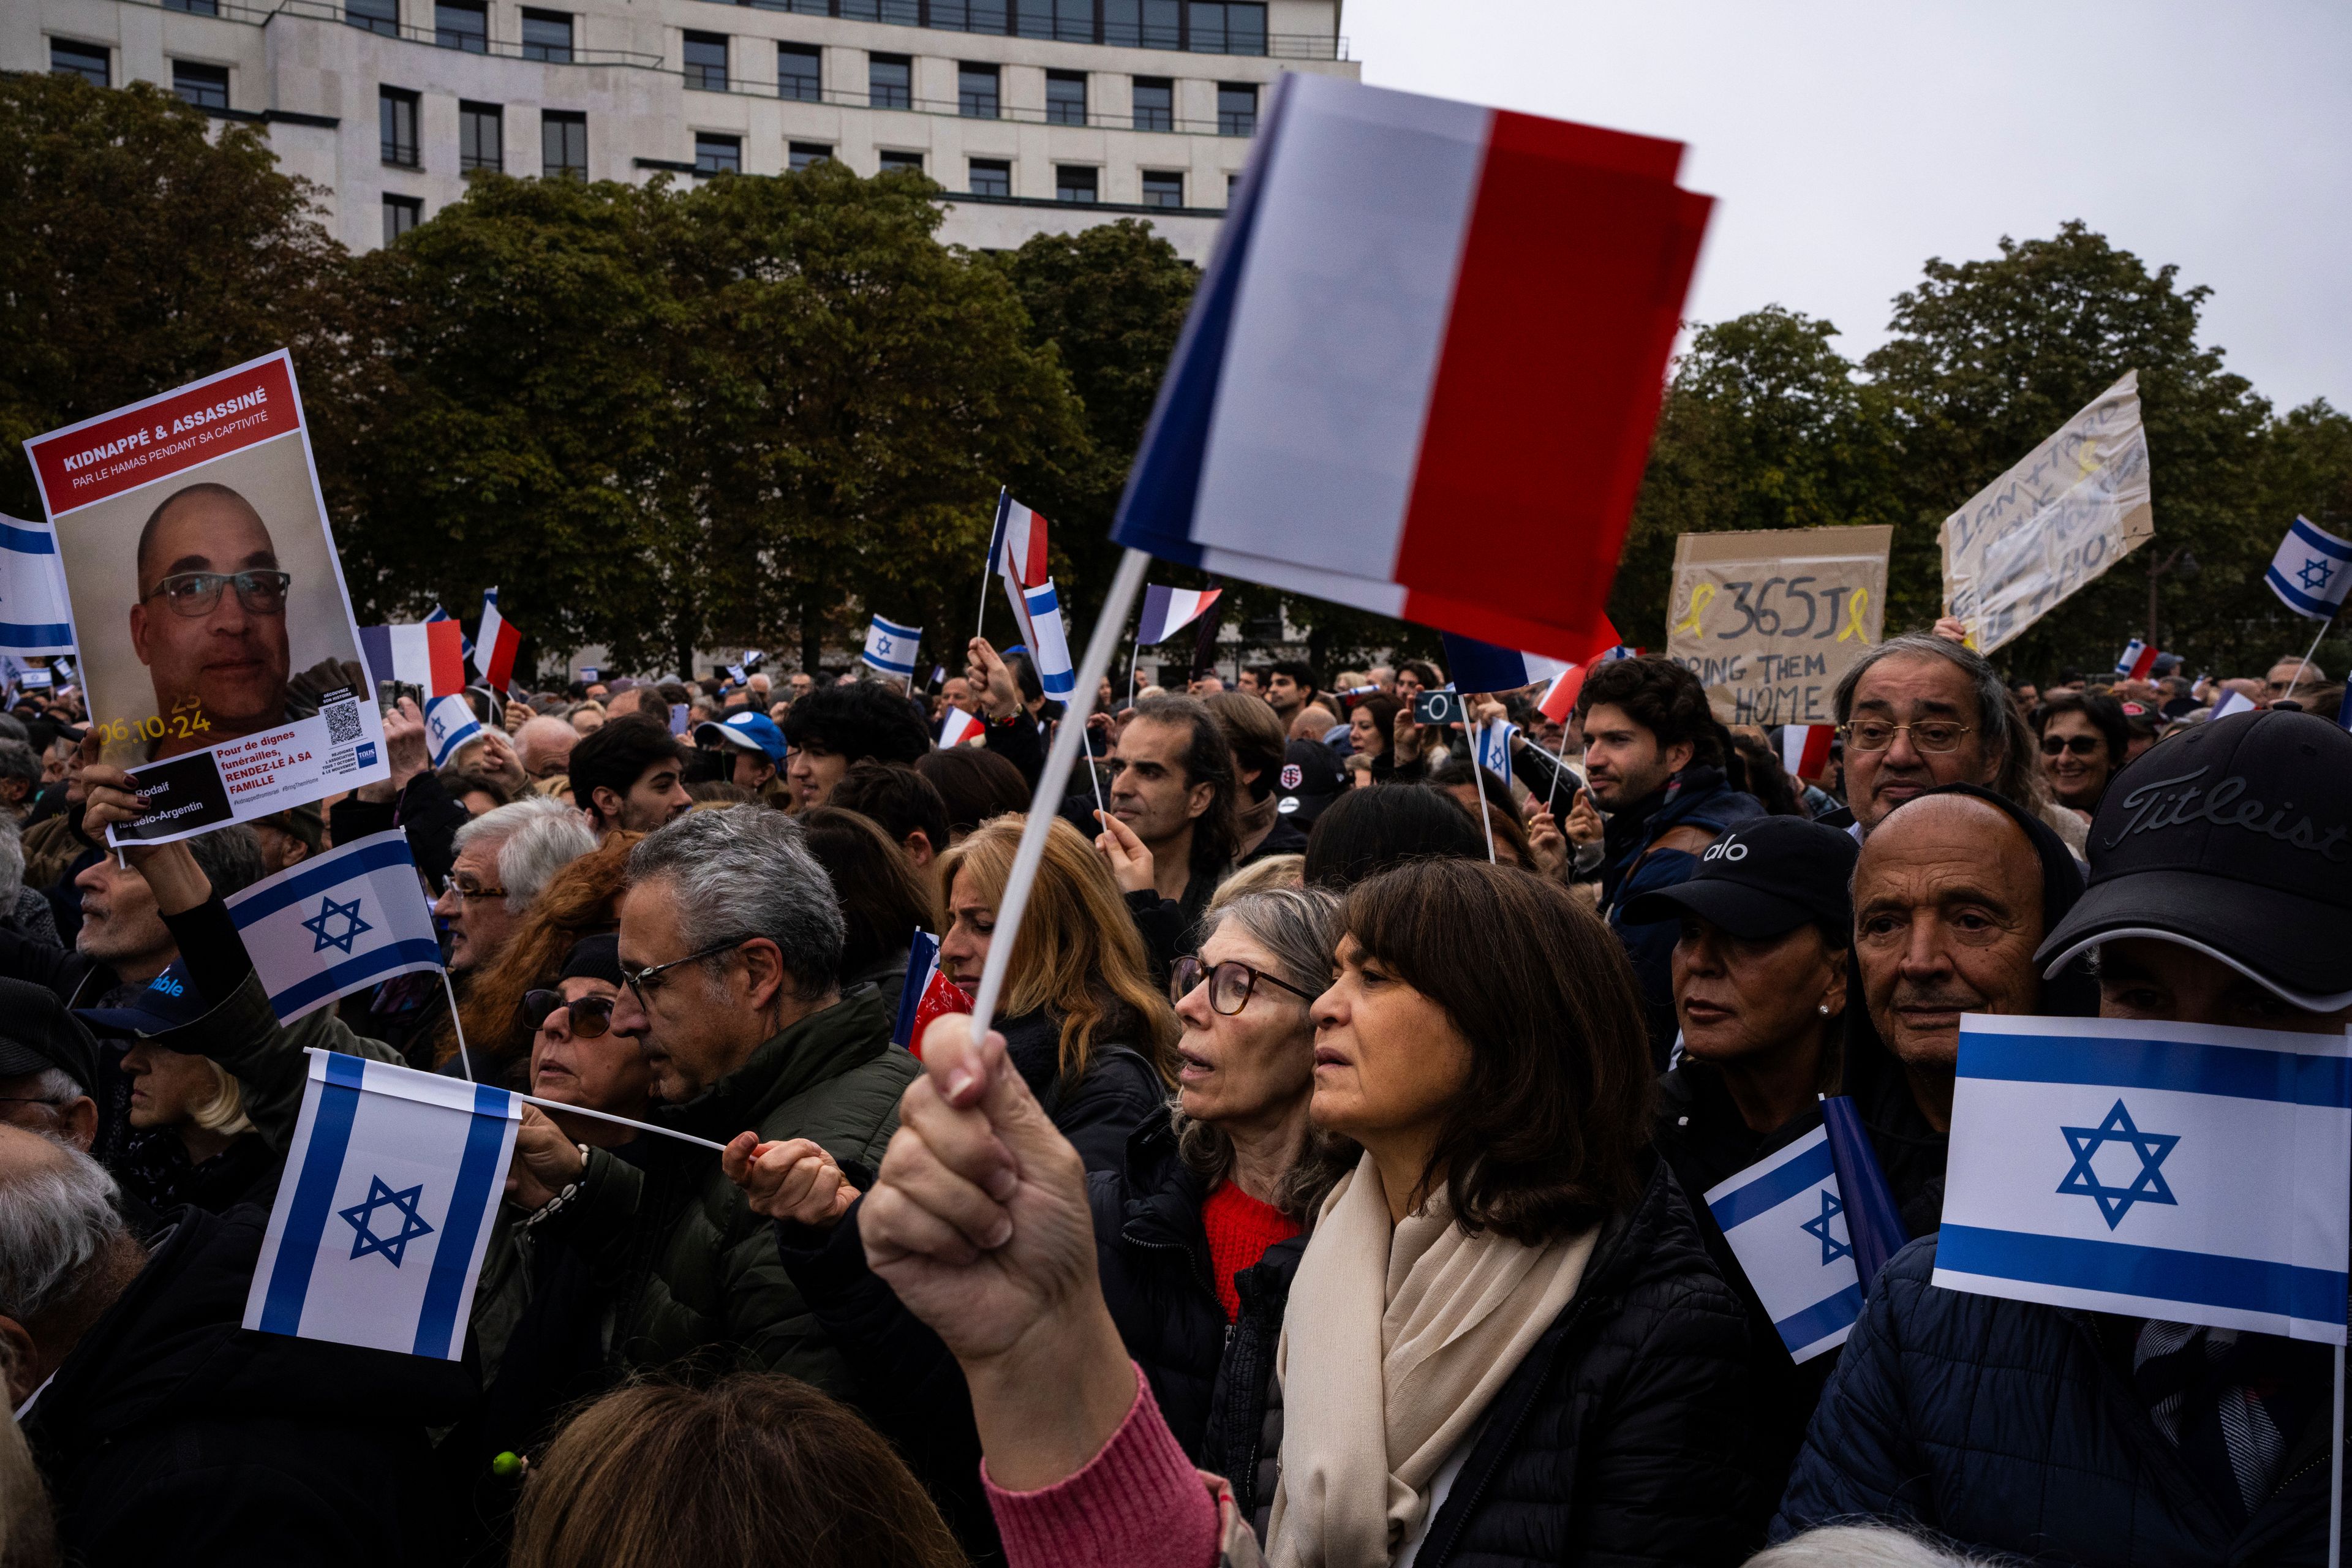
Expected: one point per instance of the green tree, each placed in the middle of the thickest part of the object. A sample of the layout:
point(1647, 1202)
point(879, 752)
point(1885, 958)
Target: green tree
point(145, 247)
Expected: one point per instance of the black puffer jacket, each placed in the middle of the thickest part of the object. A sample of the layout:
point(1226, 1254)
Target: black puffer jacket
point(1627, 1435)
point(173, 1434)
point(2014, 1427)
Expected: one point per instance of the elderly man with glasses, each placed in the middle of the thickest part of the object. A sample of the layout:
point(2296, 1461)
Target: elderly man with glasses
point(731, 961)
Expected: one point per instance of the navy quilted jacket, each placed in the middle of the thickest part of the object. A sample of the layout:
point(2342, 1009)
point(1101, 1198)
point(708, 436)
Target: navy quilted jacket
point(2009, 1427)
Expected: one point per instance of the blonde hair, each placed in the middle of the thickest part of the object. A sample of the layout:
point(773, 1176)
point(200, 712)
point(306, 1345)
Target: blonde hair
point(225, 1111)
point(1079, 955)
point(1260, 877)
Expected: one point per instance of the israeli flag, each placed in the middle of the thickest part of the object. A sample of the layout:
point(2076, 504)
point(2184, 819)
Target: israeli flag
point(2312, 571)
point(449, 723)
point(1785, 1220)
point(1049, 643)
point(890, 647)
point(1493, 747)
point(2185, 1172)
point(35, 615)
point(325, 928)
point(377, 1234)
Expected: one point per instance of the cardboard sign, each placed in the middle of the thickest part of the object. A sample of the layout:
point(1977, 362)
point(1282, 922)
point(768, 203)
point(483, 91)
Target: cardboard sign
point(2075, 507)
point(219, 652)
point(1769, 621)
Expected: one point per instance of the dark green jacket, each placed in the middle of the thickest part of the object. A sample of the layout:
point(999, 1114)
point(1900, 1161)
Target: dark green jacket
point(689, 1269)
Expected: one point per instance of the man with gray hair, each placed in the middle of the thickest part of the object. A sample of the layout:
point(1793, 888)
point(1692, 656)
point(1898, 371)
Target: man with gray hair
point(730, 943)
point(165, 1431)
point(505, 858)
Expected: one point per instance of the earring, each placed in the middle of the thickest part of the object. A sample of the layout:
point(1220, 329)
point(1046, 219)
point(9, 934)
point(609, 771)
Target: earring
point(1824, 1009)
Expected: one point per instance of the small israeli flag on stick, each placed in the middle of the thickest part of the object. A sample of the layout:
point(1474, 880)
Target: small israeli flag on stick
point(1493, 747)
point(377, 1234)
point(2312, 571)
point(2186, 1172)
point(325, 928)
point(890, 647)
point(449, 723)
point(35, 615)
point(1786, 1221)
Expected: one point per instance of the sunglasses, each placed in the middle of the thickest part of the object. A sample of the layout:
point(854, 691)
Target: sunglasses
point(2081, 745)
point(590, 1015)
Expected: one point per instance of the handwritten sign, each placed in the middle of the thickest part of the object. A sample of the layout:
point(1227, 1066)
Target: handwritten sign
point(2075, 507)
point(1769, 621)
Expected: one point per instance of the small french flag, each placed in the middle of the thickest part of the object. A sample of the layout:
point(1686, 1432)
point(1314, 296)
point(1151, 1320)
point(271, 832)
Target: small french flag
point(430, 654)
point(495, 643)
point(2231, 702)
point(1560, 701)
point(2136, 660)
point(929, 993)
point(1805, 750)
point(1017, 548)
point(1389, 387)
point(959, 726)
point(1167, 611)
point(1487, 667)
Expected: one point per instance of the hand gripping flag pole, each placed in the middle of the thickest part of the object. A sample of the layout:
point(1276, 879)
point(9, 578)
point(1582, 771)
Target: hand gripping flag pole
point(1051, 782)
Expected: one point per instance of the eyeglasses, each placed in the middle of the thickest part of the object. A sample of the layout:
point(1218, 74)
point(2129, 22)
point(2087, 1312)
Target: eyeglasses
point(1936, 735)
point(643, 982)
point(471, 892)
point(590, 1015)
point(1230, 983)
point(2081, 745)
point(29, 1100)
point(197, 593)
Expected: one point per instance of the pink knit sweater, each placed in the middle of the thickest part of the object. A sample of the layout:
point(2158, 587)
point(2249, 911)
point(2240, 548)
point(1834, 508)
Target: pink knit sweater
point(1137, 1504)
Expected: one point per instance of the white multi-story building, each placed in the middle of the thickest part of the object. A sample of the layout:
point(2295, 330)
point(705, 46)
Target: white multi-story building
point(1037, 115)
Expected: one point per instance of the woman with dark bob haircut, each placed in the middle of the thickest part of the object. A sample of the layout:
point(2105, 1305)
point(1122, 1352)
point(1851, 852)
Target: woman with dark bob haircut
point(1505, 1341)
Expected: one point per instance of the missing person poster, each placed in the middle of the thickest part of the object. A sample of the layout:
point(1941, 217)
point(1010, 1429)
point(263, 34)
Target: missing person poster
point(219, 660)
point(1768, 621)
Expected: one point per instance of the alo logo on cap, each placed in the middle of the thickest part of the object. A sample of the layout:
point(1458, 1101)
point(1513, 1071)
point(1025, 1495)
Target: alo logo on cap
point(1728, 848)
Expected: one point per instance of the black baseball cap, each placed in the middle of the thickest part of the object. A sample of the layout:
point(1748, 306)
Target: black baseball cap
point(1764, 878)
point(37, 1033)
point(168, 1002)
point(1312, 777)
point(2235, 838)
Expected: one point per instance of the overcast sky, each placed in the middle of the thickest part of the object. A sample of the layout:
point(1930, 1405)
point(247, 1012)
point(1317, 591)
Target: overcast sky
point(1846, 142)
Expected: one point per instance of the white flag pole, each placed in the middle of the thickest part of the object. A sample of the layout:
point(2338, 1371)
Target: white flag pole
point(464, 1061)
point(1045, 806)
point(617, 1120)
point(2304, 663)
point(1478, 778)
point(1134, 665)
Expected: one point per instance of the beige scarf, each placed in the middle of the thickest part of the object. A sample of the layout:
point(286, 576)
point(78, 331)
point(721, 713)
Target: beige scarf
point(1446, 1318)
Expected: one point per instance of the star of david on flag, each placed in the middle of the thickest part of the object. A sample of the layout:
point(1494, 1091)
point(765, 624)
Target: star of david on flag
point(1833, 1246)
point(2308, 572)
point(310, 941)
point(890, 647)
point(2186, 1172)
point(377, 1234)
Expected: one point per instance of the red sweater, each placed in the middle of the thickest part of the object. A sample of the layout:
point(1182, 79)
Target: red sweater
point(1240, 1230)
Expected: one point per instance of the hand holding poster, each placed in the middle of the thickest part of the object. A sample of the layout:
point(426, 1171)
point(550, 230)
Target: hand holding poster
point(2077, 504)
point(219, 654)
point(1768, 621)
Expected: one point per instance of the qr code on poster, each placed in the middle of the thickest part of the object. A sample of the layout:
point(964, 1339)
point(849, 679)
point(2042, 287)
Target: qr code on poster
point(342, 722)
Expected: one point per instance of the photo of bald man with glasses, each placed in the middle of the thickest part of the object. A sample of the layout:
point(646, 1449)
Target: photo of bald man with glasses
point(210, 623)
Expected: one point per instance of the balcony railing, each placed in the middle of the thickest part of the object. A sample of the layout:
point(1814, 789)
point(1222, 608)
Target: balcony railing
point(699, 80)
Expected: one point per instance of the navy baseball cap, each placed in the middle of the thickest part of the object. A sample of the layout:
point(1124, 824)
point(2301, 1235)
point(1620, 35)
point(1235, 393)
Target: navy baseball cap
point(169, 1002)
point(1762, 880)
point(747, 731)
point(2234, 838)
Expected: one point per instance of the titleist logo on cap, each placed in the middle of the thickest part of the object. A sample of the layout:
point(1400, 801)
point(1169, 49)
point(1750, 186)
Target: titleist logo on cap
point(2180, 802)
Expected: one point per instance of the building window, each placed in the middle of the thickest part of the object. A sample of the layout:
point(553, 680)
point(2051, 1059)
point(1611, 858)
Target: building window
point(1065, 98)
point(970, 15)
point(1150, 23)
point(207, 87)
point(1163, 188)
point(92, 62)
point(799, 72)
point(481, 136)
point(193, 7)
point(546, 36)
point(373, 16)
point(717, 154)
point(804, 153)
point(904, 13)
point(889, 82)
point(912, 163)
point(1074, 183)
point(992, 178)
point(976, 97)
point(1155, 103)
point(1236, 109)
point(396, 117)
point(564, 143)
point(1073, 20)
point(401, 214)
point(706, 61)
point(462, 25)
point(1227, 28)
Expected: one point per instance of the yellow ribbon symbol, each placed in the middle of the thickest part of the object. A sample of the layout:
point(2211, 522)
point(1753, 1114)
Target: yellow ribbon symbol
point(1853, 608)
point(1701, 595)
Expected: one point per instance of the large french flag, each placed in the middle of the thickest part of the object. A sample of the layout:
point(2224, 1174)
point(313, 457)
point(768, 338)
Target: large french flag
point(495, 644)
point(1434, 337)
point(1167, 611)
point(430, 654)
point(1017, 548)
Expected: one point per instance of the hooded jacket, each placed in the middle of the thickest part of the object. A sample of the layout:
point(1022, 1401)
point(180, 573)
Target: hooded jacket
point(1910, 1151)
point(171, 1433)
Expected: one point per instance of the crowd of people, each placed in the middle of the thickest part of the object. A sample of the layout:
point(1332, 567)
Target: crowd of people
point(1328, 1190)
